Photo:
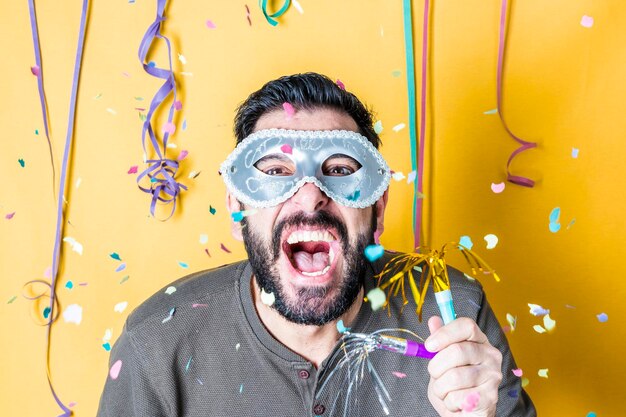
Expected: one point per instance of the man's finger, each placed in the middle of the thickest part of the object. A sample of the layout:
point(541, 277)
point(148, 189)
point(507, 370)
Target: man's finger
point(459, 330)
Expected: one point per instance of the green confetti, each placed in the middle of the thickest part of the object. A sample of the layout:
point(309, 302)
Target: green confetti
point(36, 131)
point(115, 256)
point(22, 163)
point(377, 298)
point(139, 98)
point(396, 73)
point(12, 299)
point(123, 280)
point(212, 210)
point(494, 111)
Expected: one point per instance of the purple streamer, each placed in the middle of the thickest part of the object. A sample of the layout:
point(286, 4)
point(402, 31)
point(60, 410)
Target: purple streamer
point(66, 155)
point(161, 170)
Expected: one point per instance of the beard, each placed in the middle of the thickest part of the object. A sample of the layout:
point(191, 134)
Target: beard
point(311, 305)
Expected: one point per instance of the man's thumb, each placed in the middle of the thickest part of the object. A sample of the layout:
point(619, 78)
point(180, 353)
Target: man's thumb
point(434, 323)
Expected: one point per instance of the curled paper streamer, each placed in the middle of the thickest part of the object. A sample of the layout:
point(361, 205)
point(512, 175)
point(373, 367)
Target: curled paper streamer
point(271, 17)
point(161, 170)
point(351, 365)
point(515, 179)
point(433, 269)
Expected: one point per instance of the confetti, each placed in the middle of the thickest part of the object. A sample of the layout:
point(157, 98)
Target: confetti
point(378, 127)
point(470, 402)
point(492, 241)
point(73, 314)
point(238, 216)
point(518, 372)
point(376, 298)
point(69, 285)
point(35, 70)
point(183, 154)
point(107, 346)
point(237, 346)
point(123, 280)
point(539, 329)
point(22, 163)
point(537, 310)
point(193, 175)
point(398, 176)
point(125, 74)
point(570, 224)
point(398, 127)
point(354, 196)
point(178, 105)
point(12, 299)
point(399, 374)
point(199, 382)
point(207, 252)
point(76, 246)
point(241, 386)
point(512, 321)
point(120, 307)
point(108, 334)
point(224, 248)
point(396, 73)
point(340, 84)
point(212, 210)
point(591, 414)
point(497, 188)
point(267, 298)
point(513, 393)
point(195, 305)
point(548, 323)
point(78, 182)
point(169, 127)
point(9, 216)
point(289, 110)
point(115, 369)
point(110, 110)
point(248, 15)
point(133, 169)
point(411, 177)
point(46, 312)
point(188, 364)
point(586, 21)
point(341, 328)
point(182, 59)
point(602, 317)
point(543, 373)
point(204, 239)
point(185, 124)
point(466, 241)
point(297, 6)
point(210, 24)
point(170, 315)
point(554, 225)
point(525, 382)
point(121, 267)
point(574, 153)
point(374, 252)
point(286, 148)
point(492, 111)
point(115, 256)
point(170, 290)
point(183, 264)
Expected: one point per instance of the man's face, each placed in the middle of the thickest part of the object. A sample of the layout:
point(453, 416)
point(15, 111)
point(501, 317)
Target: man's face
point(308, 250)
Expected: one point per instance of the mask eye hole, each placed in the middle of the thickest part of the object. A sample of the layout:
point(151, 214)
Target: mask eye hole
point(340, 165)
point(276, 165)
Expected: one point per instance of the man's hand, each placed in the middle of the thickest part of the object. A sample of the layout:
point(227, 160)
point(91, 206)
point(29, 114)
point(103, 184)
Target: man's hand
point(466, 373)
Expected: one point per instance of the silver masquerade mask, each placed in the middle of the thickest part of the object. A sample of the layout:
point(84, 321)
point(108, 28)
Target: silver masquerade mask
point(269, 166)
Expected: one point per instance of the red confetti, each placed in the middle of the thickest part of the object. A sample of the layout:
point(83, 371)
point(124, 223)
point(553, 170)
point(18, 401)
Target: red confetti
point(9, 216)
point(35, 70)
point(133, 169)
point(224, 248)
point(340, 84)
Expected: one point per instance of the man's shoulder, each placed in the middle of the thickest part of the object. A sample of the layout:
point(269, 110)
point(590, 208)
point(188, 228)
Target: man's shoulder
point(186, 291)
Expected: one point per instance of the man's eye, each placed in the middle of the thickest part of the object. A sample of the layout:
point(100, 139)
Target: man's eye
point(339, 171)
point(277, 171)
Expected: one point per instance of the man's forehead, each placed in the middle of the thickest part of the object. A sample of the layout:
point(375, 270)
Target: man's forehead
point(305, 119)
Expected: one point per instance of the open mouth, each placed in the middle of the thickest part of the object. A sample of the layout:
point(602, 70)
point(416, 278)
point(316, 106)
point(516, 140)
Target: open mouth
point(311, 252)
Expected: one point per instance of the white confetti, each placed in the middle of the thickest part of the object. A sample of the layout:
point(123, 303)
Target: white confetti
point(120, 307)
point(170, 290)
point(537, 310)
point(182, 59)
point(378, 127)
point(492, 241)
point(398, 176)
point(398, 127)
point(76, 246)
point(204, 238)
point(267, 298)
point(73, 314)
point(297, 6)
point(107, 335)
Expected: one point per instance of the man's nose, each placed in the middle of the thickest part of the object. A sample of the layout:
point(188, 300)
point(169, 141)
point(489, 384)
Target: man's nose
point(310, 198)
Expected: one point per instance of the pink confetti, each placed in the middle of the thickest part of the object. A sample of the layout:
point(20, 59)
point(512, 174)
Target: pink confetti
point(497, 188)
point(72, 404)
point(470, 402)
point(289, 109)
point(133, 169)
point(48, 272)
point(340, 84)
point(35, 70)
point(207, 252)
point(224, 248)
point(125, 74)
point(586, 21)
point(518, 372)
point(210, 24)
point(199, 305)
point(182, 155)
point(169, 128)
point(399, 374)
point(286, 148)
point(10, 216)
point(248, 15)
point(115, 369)
point(178, 105)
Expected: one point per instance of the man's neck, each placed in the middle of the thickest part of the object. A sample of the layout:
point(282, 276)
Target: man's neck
point(314, 343)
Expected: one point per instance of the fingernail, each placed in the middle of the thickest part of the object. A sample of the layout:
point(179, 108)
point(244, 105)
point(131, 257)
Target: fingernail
point(431, 345)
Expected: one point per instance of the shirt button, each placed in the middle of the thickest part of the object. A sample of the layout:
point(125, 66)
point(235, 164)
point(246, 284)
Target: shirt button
point(319, 409)
point(303, 374)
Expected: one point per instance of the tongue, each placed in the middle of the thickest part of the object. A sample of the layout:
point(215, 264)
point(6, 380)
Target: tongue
point(310, 262)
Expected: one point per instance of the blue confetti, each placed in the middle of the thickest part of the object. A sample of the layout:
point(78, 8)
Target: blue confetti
point(237, 216)
point(341, 328)
point(602, 317)
point(69, 285)
point(466, 241)
point(46, 312)
point(169, 317)
point(188, 364)
point(240, 388)
point(183, 264)
point(212, 210)
point(513, 393)
point(374, 252)
point(554, 225)
point(574, 152)
point(185, 124)
point(493, 111)
point(121, 267)
point(151, 64)
point(354, 196)
point(115, 256)
point(591, 414)
point(107, 346)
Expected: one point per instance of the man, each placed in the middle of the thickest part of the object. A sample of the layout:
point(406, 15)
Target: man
point(260, 337)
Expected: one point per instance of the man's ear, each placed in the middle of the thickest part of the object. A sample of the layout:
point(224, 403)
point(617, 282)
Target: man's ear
point(381, 204)
point(233, 205)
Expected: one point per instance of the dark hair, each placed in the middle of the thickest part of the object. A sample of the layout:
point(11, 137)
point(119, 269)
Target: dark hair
point(303, 91)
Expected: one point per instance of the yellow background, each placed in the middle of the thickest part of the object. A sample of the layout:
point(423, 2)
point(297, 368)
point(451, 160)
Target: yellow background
point(564, 88)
